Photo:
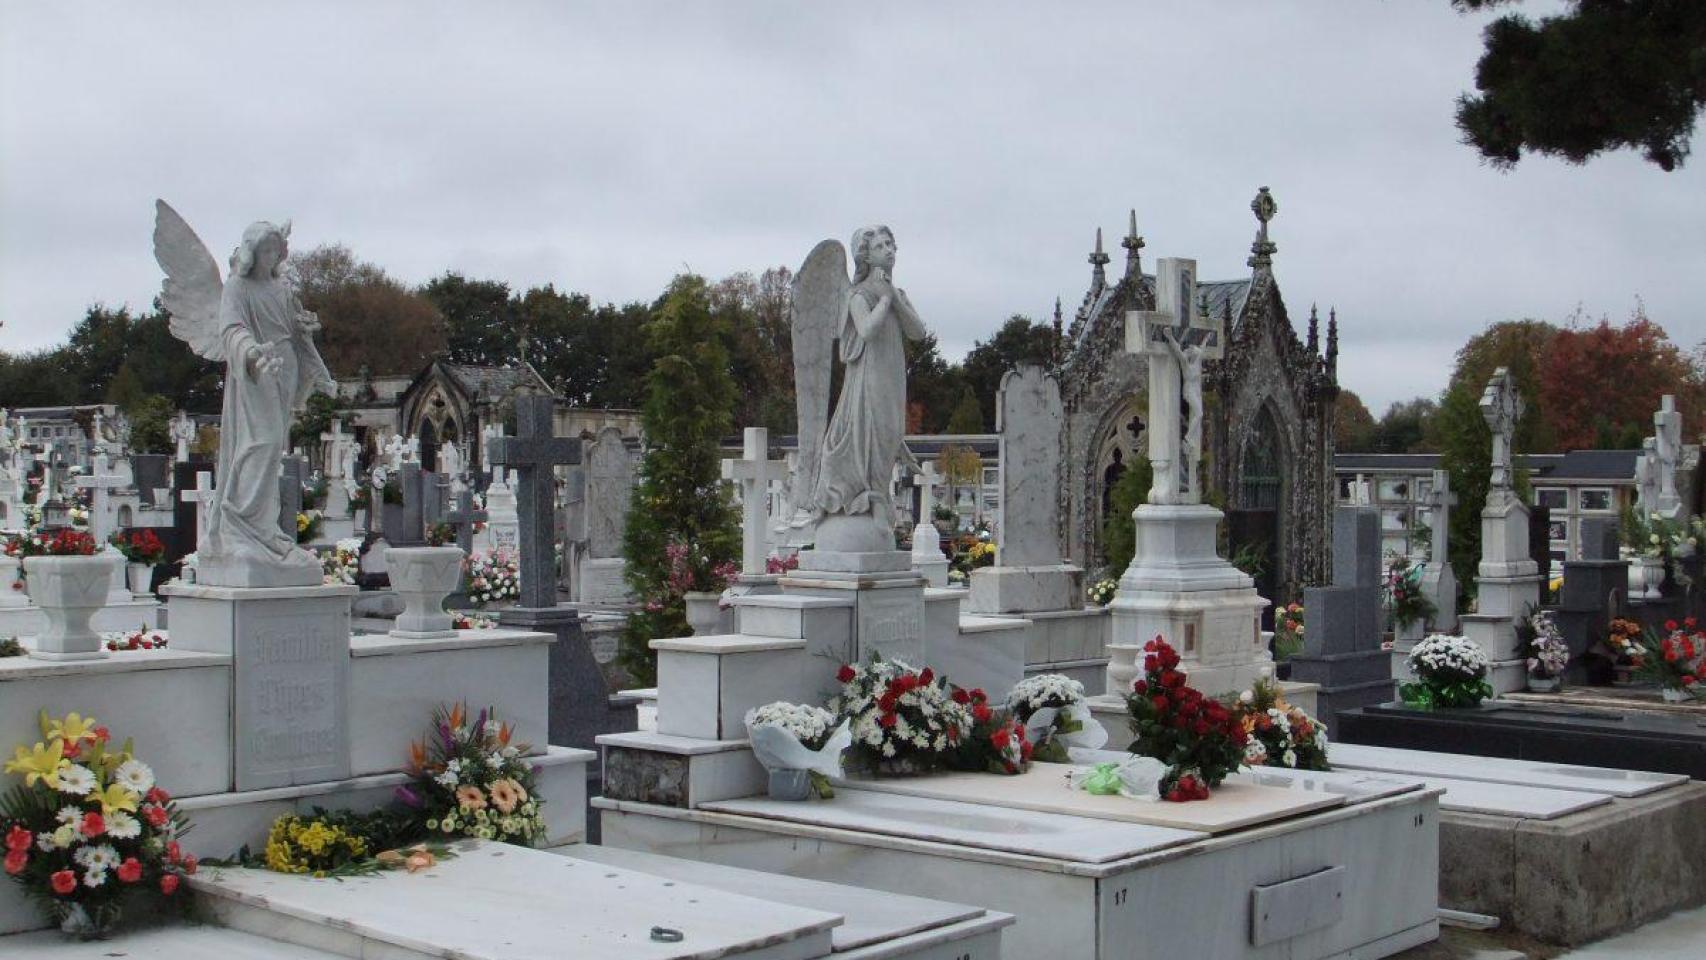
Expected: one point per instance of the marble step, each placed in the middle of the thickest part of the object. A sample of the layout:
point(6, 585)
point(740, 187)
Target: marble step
point(159, 943)
point(498, 902)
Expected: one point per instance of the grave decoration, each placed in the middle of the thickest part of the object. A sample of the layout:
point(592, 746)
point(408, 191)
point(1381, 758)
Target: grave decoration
point(1623, 639)
point(1672, 659)
point(473, 621)
point(1404, 595)
point(341, 562)
point(308, 525)
point(87, 831)
point(1288, 631)
point(471, 780)
point(996, 743)
point(1662, 542)
point(904, 721)
point(1548, 653)
point(11, 647)
point(142, 639)
point(142, 551)
point(343, 843)
point(1450, 672)
point(1102, 592)
point(1280, 734)
point(1052, 711)
point(494, 576)
point(1199, 739)
point(800, 747)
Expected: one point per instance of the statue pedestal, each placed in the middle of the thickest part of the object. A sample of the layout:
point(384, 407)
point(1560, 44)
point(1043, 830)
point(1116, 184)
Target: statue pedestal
point(1057, 586)
point(1179, 588)
point(887, 595)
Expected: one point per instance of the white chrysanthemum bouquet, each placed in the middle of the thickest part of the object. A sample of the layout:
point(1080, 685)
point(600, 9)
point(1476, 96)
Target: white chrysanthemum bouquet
point(1052, 709)
point(793, 740)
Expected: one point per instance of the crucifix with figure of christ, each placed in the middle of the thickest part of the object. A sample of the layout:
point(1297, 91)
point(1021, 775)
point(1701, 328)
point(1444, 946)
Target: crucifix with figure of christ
point(1177, 337)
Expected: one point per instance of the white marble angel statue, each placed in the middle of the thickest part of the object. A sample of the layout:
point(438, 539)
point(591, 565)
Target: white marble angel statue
point(254, 324)
point(842, 484)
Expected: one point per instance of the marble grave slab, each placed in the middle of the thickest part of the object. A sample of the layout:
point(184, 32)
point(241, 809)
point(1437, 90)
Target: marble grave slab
point(1530, 773)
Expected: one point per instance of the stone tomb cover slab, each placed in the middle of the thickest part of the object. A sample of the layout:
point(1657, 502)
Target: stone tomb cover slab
point(1532, 773)
point(500, 902)
point(1073, 839)
point(1044, 789)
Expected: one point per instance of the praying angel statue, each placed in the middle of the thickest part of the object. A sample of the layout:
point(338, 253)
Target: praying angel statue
point(253, 323)
point(843, 481)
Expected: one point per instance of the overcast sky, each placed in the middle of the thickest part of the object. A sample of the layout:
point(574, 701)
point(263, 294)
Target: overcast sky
point(605, 149)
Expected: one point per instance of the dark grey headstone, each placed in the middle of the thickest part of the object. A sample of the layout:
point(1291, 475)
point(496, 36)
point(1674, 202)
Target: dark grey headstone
point(411, 531)
point(290, 494)
point(1332, 621)
point(151, 473)
point(581, 707)
point(534, 453)
point(1356, 547)
point(1600, 536)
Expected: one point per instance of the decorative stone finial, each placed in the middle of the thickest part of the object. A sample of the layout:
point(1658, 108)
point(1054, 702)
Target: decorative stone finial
point(1133, 243)
point(1098, 260)
point(1314, 343)
point(1262, 251)
point(1333, 342)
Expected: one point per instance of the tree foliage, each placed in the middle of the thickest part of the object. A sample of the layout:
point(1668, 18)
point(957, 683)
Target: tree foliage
point(367, 319)
point(1600, 384)
point(1020, 340)
point(1404, 427)
point(1603, 75)
point(680, 499)
point(1119, 531)
point(1353, 425)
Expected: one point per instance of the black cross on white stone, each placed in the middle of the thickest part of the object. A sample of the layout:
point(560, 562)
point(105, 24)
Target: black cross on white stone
point(534, 453)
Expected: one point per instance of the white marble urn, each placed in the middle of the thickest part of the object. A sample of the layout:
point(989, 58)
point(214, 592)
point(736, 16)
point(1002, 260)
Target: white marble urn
point(69, 590)
point(423, 577)
point(704, 612)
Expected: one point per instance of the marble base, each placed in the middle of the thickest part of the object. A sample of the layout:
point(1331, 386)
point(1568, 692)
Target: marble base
point(888, 609)
point(842, 561)
point(684, 772)
point(602, 581)
point(1026, 589)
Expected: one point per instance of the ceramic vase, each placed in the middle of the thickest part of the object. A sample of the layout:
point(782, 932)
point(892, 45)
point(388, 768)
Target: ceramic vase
point(704, 614)
point(141, 577)
point(423, 577)
point(1545, 683)
point(69, 590)
point(790, 785)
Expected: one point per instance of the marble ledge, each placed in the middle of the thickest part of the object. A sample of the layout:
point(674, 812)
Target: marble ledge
point(726, 643)
point(387, 645)
point(668, 743)
point(945, 593)
point(790, 601)
point(118, 661)
point(202, 591)
point(552, 757)
point(975, 623)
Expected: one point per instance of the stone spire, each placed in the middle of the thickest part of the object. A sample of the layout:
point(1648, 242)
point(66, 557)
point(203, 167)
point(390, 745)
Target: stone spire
point(1059, 348)
point(1133, 244)
point(1262, 250)
point(1333, 343)
point(1098, 260)
point(1314, 343)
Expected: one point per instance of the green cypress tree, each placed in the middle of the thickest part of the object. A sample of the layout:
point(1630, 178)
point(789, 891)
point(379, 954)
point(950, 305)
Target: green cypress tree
point(682, 526)
point(1119, 531)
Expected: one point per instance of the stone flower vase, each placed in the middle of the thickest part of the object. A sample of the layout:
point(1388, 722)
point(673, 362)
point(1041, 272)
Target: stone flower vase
point(1545, 682)
point(423, 577)
point(141, 577)
point(703, 612)
point(790, 784)
point(68, 589)
point(1652, 577)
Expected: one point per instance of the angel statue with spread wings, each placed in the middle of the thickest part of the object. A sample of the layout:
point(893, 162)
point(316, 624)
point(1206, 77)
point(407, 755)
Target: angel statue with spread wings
point(845, 470)
point(254, 324)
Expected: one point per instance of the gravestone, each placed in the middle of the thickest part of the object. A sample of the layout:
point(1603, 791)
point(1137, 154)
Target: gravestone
point(1029, 574)
point(290, 494)
point(580, 706)
point(571, 530)
point(609, 488)
point(1593, 591)
point(1667, 437)
point(406, 526)
point(752, 473)
point(101, 482)
point(1342, 637)
point(338, 451)
point(928, 557)
point(150, 472)
point(1439, 582)
point(195, 497)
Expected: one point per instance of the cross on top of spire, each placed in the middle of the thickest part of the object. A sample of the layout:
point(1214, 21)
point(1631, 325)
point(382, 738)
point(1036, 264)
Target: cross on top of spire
point(1262, 250)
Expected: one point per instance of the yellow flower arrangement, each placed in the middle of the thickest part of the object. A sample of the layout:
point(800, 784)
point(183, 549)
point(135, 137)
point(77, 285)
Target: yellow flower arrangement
point(296, 845)
point(39, 763)
point(73, 728)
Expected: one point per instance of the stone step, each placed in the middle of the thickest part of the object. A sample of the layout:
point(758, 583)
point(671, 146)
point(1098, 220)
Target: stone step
point(822, 619)
point(498, 902)
point(159, 943)
point(683, 772)
point(707, 684)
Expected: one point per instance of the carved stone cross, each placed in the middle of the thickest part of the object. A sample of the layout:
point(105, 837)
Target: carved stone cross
point(1147, 334)
point(1667, 434)
point(202, 496)
point(100, 482)
point(534, 453)
point(1440, 501)
point(753, 471)
point(1501, 406)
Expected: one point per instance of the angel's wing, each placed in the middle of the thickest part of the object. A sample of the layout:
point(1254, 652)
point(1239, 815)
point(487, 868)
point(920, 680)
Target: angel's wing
point(192, 288)
point(820, 293)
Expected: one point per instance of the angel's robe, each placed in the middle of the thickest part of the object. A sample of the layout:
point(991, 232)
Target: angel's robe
point(866, 432)
point(254, 431)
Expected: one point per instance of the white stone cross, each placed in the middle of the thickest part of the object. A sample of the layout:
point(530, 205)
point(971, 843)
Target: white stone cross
point(926, 538)
point(1194, 338)
point(1667, 436)
point(754, 472)
point(202, 496)
point(1501, 406)
point(1440, 501)
point(100, 482)
point(334, 438)
point(183, 434)
point(394, 452)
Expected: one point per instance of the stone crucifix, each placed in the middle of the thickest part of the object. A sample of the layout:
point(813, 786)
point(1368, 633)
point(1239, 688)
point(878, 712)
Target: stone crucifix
point(534, 453)
point(926, 538)
point(1667, 437)
point(1177, 338)
point(1501, 406)
point(754, 472)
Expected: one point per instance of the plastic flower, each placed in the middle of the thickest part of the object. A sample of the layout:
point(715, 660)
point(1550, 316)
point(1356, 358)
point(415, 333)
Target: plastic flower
point(469, 798)
point(41, 762)
point(63, 881)
point(74, 727)
point(116, 796)
point(506, 794)
point(136, 775)
point(123, 826)
point(96, 858)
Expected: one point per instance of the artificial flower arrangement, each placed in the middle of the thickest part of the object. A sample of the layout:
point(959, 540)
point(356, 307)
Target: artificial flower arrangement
point(471, 780)
point(780, 565)
point(307, 526)
point(691, 571)
point(795, 740)
point(473, 621)
point(1404, 594)
point(1653, 536)
point(59, 543)
point(1674, 659)
point(88, 832)
point(441, 535)
point(140, 546)
point(1101, 593)
point(996, 741)
point(11, 647)
point(1280, 734)
point(1198, 739)
point(1548, 653)
point(1051, 709)
point(971, 551)
point(1450, 671)
point(903, 720)
point(341, 562)
point(1288, 631)
point(494, 576)
point(139, 639)
point(343, 843)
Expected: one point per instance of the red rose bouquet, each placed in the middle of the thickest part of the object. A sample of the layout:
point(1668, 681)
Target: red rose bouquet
point(903, 720)
point(1198, 739)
